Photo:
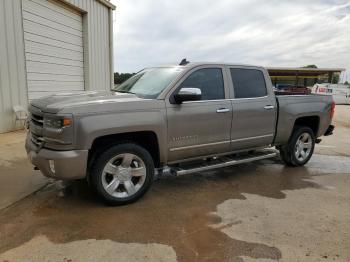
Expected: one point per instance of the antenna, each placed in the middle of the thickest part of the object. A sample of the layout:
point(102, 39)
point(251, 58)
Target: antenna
point(184, 62)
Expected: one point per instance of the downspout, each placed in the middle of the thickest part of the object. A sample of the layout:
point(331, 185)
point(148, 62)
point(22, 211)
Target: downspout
point(111, 63)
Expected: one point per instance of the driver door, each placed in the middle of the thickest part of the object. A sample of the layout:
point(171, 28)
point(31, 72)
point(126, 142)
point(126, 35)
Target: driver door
point(200, 128)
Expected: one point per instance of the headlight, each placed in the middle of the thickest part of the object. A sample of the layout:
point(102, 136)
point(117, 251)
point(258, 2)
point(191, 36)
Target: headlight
point(57, 122)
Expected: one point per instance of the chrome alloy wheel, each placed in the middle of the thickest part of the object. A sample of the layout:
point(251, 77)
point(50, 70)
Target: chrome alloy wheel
point(123, 175)
point(303, 147)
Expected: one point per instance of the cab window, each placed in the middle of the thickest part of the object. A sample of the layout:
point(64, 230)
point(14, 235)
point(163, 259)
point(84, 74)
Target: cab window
point(248, 83)
point(209, 80)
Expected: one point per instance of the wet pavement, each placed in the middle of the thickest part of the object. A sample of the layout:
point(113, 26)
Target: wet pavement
point(261, 211)
point(185, 214)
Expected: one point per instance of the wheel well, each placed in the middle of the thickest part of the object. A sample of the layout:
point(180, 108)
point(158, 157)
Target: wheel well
point(309, 121)
point(146, 139)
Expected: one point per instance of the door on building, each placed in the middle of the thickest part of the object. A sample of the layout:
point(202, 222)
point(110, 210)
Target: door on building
point(53, 37)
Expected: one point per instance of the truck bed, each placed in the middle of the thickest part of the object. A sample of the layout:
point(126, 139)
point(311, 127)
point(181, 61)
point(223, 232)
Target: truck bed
point(292, 107)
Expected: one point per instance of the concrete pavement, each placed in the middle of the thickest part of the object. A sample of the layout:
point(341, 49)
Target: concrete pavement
point(17, 177)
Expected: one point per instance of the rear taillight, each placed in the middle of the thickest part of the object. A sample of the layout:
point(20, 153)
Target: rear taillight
point(332, 110)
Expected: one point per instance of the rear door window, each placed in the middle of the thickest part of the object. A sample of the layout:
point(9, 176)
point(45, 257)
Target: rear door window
point(248, 83)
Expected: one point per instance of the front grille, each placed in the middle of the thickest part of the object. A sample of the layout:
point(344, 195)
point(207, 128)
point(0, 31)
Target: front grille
point(37, 119)
point(37, 140)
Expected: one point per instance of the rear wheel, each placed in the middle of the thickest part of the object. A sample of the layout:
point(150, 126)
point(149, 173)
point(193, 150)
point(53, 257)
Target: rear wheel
point(123, 173)
point(300, 147)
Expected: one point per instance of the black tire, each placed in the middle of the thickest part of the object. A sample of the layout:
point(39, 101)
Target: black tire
point(287, 152)
point(97, 175)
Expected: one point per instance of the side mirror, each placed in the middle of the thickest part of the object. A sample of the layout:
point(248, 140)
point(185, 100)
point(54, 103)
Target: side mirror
point(188, 94)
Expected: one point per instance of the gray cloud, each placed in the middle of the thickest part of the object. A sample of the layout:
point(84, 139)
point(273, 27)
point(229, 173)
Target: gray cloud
point(269, 33)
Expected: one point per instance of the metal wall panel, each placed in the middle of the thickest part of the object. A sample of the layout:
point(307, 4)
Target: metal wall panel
point(97, 52)
point(13, 90)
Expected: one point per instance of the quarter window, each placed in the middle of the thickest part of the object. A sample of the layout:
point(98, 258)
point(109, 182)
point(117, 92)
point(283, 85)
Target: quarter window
point(248, 83)
point(209, 81)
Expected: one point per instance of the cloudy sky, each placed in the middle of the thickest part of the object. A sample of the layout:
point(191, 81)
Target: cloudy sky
point(259, 32)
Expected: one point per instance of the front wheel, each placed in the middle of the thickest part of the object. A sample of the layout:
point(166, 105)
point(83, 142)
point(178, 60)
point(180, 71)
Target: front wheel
point(123, 173)
point(300, 147)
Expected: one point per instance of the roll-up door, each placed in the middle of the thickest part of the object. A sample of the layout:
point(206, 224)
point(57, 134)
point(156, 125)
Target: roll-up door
point(53, 36)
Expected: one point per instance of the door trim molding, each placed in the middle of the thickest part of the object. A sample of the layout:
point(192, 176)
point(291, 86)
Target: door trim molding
point(252, 137)
point(196, 146)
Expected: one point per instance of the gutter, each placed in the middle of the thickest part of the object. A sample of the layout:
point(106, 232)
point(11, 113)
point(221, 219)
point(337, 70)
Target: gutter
point(107, 3)
point(111, 63)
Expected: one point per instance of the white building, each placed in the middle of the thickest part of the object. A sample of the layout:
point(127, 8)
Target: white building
point(51, 46)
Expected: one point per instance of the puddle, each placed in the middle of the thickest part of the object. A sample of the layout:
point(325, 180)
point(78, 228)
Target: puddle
point(176, 213)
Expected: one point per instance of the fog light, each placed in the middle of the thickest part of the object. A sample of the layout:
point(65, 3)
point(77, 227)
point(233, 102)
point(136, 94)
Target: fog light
point(52, 166)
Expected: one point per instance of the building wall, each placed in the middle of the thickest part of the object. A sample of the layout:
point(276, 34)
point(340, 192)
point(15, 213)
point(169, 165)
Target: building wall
point(97, 52)
point(98, 66)
point(13, 87)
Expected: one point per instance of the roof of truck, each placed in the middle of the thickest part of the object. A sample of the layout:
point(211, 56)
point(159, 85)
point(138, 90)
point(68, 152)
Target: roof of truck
point(270, 69)
point(195, 64)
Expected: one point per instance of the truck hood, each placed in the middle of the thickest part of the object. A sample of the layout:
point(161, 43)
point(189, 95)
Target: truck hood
point(57, 102)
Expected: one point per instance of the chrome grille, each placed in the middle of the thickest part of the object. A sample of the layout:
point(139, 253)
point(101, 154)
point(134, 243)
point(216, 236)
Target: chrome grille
point(37, 140)
point(37, 119)
point(36, 123)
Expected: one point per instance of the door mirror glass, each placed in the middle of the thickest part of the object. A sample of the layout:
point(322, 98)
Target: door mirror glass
point(188, 94)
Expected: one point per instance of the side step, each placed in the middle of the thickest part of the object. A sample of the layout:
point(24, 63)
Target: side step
point(223, 162)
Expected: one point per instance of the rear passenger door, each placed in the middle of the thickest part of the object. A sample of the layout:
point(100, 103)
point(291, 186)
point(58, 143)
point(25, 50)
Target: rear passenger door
point(254, 108)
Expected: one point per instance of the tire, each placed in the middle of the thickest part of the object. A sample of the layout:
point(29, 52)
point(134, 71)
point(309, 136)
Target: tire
point(297, 153)
point(122, 174)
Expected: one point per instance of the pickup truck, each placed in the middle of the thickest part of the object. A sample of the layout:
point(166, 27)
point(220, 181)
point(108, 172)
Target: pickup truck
point(180, 119)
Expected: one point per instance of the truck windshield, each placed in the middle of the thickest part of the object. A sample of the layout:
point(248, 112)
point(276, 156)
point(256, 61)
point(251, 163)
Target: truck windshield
point(150, 82)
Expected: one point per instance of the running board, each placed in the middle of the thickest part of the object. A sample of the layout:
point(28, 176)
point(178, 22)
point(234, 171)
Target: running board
point(226, 161)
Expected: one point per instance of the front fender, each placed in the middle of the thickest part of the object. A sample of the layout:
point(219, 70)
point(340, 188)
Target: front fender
point(91, 127)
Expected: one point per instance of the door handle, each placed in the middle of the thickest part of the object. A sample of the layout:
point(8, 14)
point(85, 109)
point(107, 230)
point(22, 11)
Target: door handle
point(222, 110)
point(269, 107)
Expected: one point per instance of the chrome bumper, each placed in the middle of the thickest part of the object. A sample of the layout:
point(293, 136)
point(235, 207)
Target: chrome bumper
point(65, 165)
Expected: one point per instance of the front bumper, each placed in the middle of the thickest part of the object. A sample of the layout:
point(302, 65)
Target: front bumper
point(68, 165)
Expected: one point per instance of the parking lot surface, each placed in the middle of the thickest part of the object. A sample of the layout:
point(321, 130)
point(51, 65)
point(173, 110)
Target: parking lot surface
point(17, 177)
point(261, 211)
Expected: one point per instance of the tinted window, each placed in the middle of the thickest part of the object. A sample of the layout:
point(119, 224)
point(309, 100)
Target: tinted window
point(248, 83)
point(209, 81)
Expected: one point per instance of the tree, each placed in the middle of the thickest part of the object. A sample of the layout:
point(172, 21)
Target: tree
point(346, 82)
point(335, 79)
point(120, 78)
point(310, 66)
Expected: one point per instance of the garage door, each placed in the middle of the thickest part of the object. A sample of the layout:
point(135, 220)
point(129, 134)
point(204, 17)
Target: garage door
point(53, 48)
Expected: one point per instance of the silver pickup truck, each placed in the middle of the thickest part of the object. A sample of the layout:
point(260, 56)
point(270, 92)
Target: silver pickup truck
point(179, 119)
